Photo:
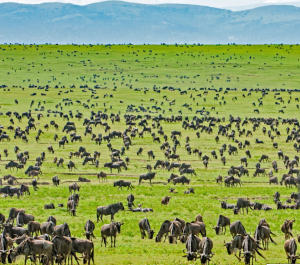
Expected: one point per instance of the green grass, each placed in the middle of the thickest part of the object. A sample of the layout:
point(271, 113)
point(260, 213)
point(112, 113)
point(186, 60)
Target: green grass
point(265, 69)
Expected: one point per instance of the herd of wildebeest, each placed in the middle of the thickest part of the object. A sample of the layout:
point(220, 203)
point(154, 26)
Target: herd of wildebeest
point(50, 242)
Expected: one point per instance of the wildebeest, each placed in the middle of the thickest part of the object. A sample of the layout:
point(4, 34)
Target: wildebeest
point(241, 204)
point(183, 180)
point(23, 218)
point(192, 247)
point(74, 187)
point(85, 247)
point(47, 228)
point(102, 175)
point(237, 228)
point(49, 206)
point(290, 247)
point(222, 222)
point(111, 230)
point(164, 230)
point(13, 213)
point(33, 247)
point(149, 175)
point(144, 225)
point(287, 228)
point(55, 180)
point(122, 183)
point(62, 230)
point(263, 233)
point(205, 250)
point(111, 210)
point(89, 230)
point(165, 200)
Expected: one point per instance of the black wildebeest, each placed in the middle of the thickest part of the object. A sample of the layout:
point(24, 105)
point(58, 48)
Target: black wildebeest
point(111, 210)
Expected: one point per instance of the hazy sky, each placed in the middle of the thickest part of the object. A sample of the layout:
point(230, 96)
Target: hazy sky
point(213, 3)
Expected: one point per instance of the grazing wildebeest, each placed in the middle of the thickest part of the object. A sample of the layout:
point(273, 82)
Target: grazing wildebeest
point(122, 183)
point(273, 180)
point(149, 175)
point(164, 230)
point(111, 210)
point(249, 247)
point(33, 227)
point(130, 201)
point(63, 247)
point(222, 222)
point(205, 250)
point(287, 228)
point(234, 246)
point(71, 165)
point(194, 228)
point(111, 230)
point(89, 230)
point(175, 232)
point(192, 247)
point(290, 247)
point(237, 228)
point(181, 180)
point(33, 247)
point(102, 175)
point(144, 225)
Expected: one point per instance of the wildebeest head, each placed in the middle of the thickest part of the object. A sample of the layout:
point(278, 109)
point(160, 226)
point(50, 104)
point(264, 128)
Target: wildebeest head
point(236, 210)
point(190, 255)
point(150, 233)
point(217, 229)
point(158, 237)
point(66, 229)
point(11, 256)
point(3, 255)
point(229, 247)
point(247, 255)
point(204, 258)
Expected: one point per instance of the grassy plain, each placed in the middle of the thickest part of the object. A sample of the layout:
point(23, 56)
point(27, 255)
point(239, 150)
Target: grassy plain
point(120, 70)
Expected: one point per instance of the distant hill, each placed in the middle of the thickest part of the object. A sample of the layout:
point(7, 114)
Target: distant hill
point(122, 22)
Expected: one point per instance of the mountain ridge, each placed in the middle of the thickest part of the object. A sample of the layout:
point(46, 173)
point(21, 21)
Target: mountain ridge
point(124, 22)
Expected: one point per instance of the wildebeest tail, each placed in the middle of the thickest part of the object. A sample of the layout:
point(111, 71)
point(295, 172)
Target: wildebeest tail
point(272, 240)
point(260, 254)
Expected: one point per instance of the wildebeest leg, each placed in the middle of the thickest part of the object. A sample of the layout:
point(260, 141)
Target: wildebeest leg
point(166, 236)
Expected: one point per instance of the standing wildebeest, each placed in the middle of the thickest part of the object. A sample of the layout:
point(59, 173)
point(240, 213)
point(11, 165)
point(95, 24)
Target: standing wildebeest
point(110, 230)
point(13, 213)
point(222, 222)
point(290, 247)
point(74, 187)
point(144, 225)
point(149, 175)
point(130, 200)
point(287, 228)
point(33, 247)
point(63, 247)
point(237, 228)
point(89, 230)
point(47, 228)
point(164, 230)
point(33, 227)
point(84, 246)
point(181, 180)
point(194, 228)
point(122, 183)
point(263, 233)
point(175, 232)
point(71, 165)
point(14, 231)
point(273, 180)
point(23, 218)
point(55, 180)
point(234, 246)
point(111, 210)
point(192, 247)
point(24, 189)
point(249, 247)
point(102, 175)
point(62, 230)
point(241, 204)
point(205, 248)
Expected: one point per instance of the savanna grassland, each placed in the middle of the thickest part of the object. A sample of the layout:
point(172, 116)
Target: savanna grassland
point(134, 75)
